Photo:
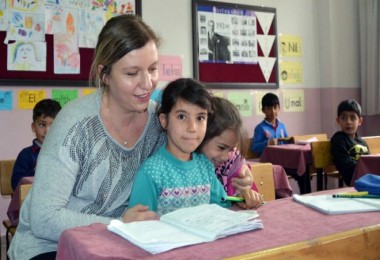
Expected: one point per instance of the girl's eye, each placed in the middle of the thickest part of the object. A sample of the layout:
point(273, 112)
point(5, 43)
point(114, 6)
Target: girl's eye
point(221, 148)
point(201, 118)
point(181, 116)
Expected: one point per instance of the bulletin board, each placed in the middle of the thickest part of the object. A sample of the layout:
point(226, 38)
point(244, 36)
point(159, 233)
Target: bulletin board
point(235, 45)
point(45, 78)
point(48, 78)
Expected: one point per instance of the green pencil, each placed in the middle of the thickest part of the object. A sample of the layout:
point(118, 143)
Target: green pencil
point(233, 199)
point(353, 196)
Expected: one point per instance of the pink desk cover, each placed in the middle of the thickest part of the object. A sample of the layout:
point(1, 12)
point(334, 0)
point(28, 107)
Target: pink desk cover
point(281, 182)
point(285, 222)
point(366, 164)
point(14, 205)
point(289, 156)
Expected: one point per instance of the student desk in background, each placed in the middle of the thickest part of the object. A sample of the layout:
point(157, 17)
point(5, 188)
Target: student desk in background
point(294, 158)
point(289, 227)
point(366, 164)
point(14, 205)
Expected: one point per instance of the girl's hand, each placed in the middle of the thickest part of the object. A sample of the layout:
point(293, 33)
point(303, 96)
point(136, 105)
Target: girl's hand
point(253, 200)
point(243, 185)
point(139, 213)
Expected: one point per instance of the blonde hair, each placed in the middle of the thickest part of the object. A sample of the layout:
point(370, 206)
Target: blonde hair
point(120, 35)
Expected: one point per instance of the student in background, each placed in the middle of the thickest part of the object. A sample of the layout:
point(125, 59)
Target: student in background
point(176, 176)
point(271, 131)
point(225, 134)
point(346, 145)
point(44, 113)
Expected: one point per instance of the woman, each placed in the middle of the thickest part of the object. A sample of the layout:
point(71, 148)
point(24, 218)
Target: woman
point(91, 154)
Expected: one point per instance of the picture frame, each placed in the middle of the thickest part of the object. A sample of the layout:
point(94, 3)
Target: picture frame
point(48, 78)
point(235, 45)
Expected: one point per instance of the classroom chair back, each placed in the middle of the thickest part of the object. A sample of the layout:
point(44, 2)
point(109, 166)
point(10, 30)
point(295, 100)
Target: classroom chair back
point(6, 170)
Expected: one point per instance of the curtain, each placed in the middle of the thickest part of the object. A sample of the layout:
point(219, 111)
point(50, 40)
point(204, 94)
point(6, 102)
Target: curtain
point(369, 43)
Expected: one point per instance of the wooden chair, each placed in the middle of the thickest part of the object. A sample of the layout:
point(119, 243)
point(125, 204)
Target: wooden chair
point(263, 176)
point(373, 143)
point(322, 162)
point(6, 170)
point(250, 154)
point(11, 229)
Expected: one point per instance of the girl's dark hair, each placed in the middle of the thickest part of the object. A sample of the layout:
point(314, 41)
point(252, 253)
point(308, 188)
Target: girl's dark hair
point(119, 36)
point(46, 107)
point(226, 116)
point(188, 90)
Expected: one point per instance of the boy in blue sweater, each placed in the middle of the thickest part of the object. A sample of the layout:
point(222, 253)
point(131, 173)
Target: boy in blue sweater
point(44, 113)
point(271, 131)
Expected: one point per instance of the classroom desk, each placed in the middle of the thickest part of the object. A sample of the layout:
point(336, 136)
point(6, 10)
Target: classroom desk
point(285, 222)
point(366, 164)
point(14, 206)
point(294, 158)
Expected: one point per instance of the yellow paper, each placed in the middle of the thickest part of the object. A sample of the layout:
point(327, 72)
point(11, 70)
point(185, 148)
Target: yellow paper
point(291, 46)
point(27, 99)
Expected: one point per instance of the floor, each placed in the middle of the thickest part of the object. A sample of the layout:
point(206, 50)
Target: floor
point(3, 248)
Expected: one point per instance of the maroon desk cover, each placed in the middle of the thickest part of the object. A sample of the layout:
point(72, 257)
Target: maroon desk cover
point(14, 205)
point(289, 156)
point(366, 164)
point(285, 222)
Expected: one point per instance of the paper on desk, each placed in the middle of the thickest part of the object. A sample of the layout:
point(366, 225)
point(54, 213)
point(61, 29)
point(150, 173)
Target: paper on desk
point(186, 226)
point(307, 141)
point(329, 205)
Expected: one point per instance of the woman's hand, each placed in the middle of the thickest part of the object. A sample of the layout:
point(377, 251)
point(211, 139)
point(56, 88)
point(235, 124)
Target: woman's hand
point(139, 213)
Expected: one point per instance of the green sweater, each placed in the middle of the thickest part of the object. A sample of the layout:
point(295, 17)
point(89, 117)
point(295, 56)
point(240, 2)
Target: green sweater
point(165, 183)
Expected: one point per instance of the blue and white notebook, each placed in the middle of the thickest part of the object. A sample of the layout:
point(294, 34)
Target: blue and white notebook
point(329, 205)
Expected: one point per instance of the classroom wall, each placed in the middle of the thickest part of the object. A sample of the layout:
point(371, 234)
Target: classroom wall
point(330, 60)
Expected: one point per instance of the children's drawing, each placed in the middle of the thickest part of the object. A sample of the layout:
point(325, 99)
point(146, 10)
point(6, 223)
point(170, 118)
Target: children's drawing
point(30, 6)
point(85, 4)
point(61, 20)
point(26, 27)
point(2, 16)
point(27, 56)
point(66, 54)
point(91, 23)
point(114, 6)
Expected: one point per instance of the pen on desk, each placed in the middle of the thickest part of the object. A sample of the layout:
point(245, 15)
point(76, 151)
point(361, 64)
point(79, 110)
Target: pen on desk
point(356, 196)
point(233, 199)
point(356, 193)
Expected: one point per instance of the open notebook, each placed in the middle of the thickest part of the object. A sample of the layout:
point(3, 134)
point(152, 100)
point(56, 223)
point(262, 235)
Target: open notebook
point(329, 205)
point(186, 226)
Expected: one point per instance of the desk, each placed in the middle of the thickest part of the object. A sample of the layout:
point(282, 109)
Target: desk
point(285, 222)
point(292, 157)
point(14, 207)
point(366, 164)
